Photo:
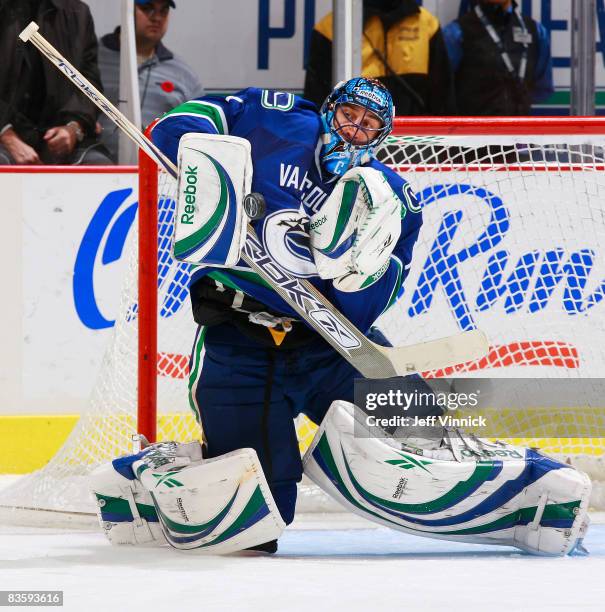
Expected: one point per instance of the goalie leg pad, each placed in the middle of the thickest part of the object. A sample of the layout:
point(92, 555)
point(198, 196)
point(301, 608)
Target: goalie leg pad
point(215, 172)
point(497, 494)
point(124, 508)
point(217, 506)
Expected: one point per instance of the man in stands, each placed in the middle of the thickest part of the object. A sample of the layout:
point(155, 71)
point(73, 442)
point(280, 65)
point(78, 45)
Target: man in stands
point(165, 80)
point(402, 46)
point(500, 58)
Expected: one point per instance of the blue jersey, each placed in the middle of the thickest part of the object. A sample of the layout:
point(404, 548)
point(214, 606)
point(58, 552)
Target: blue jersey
point(284, 133)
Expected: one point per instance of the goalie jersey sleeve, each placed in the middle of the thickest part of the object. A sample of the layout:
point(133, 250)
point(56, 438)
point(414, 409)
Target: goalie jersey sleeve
point(284, 134)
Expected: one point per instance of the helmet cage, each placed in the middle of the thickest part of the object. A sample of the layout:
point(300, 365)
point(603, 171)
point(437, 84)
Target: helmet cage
point(340, 153)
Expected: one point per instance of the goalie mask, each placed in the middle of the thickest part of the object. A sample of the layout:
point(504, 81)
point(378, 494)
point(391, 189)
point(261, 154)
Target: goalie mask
point(357, 116)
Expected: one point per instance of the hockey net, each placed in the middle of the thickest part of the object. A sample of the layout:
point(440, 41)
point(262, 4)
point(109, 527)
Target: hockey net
point(512, 243)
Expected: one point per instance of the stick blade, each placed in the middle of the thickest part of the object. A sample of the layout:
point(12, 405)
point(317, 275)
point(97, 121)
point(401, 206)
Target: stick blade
point(436, 354)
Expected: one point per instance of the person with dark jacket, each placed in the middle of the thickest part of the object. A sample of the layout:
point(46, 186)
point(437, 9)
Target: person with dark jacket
point(402, 47)
point(165, 79)
point(44, 119)
point(500, 58)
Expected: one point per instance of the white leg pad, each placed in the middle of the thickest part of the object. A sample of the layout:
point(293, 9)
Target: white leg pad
point(216, 506)
point(500, 494)
point(125, 509)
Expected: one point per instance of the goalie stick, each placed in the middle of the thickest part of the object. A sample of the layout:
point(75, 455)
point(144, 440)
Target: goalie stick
point(370, 359)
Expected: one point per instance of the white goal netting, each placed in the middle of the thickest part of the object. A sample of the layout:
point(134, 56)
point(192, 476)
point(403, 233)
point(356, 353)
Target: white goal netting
point(513, 242)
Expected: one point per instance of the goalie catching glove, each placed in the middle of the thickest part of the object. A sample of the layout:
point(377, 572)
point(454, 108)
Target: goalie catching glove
point(354, 233)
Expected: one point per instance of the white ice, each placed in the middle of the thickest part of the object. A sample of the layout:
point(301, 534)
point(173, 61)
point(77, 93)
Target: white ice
point(335, 562)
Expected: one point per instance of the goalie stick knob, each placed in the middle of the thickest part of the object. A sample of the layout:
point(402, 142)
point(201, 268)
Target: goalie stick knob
point(255, 206)
point(29, 31)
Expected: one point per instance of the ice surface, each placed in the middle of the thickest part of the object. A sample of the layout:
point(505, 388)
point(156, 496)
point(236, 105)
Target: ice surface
point(327, 562)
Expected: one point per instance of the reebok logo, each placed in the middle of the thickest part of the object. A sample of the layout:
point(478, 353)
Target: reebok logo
point(317, 223)
point(179, 505)
point(512, 454)
point(399, 488)
point(190, 178)
point(370, 95)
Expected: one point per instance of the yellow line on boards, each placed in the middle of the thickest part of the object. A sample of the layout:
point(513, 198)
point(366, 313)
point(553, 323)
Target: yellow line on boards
point(29, 442)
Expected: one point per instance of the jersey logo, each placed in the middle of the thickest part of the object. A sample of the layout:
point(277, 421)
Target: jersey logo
point(293, 177)
point(286, 239)
point(277, 100)
point(411, 202)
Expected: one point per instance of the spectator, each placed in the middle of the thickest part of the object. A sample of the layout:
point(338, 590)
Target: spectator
point(402, 46)
point(165, 80)
point(501, 60)
point(44, 119)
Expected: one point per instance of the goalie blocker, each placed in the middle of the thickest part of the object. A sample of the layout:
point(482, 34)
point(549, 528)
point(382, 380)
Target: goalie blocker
point(214, 173)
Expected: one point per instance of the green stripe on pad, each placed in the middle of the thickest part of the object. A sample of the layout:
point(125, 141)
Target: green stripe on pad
point(181, 247)
point(117, 505)
point(349, 196)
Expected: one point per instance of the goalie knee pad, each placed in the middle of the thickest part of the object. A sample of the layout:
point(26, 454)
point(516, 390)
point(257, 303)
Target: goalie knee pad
point(218, 505)
point(456, 488)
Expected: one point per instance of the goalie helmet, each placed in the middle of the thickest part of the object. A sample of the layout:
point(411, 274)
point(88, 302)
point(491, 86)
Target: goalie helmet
point(349, 141)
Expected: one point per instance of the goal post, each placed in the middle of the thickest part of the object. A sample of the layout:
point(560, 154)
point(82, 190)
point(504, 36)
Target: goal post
point(148, 297)
point(513, 242)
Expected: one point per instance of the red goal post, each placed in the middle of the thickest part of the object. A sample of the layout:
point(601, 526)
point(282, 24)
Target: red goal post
point(148, 297)
point(498, 126)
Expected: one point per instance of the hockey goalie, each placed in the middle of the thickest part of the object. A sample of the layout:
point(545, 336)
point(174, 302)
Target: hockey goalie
point(347, 223)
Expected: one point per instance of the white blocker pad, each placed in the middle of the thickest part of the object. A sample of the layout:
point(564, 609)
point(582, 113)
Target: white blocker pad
point(462, 489)
point(217, 506)
point(215, 172)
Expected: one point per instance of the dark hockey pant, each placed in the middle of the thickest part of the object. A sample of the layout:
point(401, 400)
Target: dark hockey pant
point(247, 395)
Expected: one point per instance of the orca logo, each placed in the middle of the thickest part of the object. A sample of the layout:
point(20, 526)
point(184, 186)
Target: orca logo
point(286, 239)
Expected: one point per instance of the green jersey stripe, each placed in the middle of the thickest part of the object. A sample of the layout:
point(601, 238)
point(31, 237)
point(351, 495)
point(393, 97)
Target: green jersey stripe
point(196, 108)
